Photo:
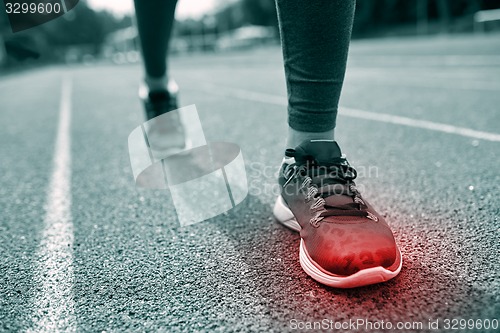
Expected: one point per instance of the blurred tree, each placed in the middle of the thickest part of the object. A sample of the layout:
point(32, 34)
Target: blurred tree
point(444, 12)
point(77, 27)
point(373, 17)
point(230, 17)
point(260, 12)
point(81, 28)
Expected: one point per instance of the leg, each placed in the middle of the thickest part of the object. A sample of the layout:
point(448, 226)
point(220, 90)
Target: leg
point(315, 38)
point(344, 242)
point(154, 21)
point(159, 94)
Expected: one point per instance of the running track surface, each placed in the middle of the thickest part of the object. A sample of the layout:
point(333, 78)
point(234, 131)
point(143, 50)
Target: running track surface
point(83, 250)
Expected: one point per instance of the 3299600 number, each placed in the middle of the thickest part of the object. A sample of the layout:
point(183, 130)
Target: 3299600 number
point(32, 8)
point(471, 324)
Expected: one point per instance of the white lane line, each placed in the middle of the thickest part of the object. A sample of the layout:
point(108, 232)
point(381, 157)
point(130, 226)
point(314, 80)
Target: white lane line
point(54, 304)
point(430, 83)
point(448, 60)
point(424, 124)
point(355, 113)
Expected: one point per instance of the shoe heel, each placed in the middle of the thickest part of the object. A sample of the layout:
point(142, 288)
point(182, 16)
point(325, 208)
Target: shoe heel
point(284, 215)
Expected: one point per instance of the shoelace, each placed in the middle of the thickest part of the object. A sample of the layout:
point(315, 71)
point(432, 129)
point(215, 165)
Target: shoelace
point(324, 180)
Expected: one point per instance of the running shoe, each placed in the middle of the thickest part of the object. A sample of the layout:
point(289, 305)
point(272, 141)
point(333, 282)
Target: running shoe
point(164, 129)
point(344, 243)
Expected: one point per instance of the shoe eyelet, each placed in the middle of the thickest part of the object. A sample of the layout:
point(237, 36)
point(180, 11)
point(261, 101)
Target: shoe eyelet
point(359, 201)
point(306, 183)
point(314, 222)
point(318, 204)
point(371, 216)
point(311, 193)
point(288, 172)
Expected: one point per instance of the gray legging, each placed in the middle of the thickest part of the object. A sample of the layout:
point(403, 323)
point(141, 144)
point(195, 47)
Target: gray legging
point(315, 37)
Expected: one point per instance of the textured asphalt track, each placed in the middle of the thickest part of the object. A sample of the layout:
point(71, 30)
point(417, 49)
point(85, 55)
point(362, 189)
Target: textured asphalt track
point(135, 269)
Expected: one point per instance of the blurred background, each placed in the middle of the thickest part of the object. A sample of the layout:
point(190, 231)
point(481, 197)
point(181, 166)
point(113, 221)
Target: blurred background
point(104, 31)
point(420, 104)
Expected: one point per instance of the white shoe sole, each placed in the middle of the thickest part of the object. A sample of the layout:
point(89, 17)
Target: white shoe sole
point(169, 151)
point(284, 215)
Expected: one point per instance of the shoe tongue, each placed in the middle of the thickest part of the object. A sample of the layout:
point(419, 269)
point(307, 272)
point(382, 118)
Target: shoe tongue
point(323, 151)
